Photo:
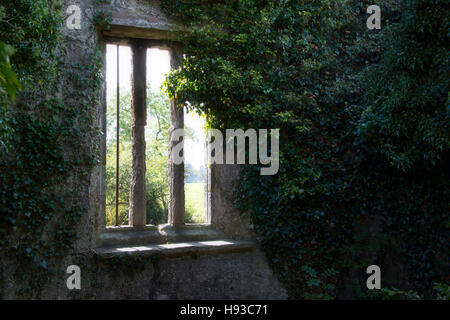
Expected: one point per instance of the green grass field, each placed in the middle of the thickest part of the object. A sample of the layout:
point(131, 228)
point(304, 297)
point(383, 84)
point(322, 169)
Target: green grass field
point(195, 202)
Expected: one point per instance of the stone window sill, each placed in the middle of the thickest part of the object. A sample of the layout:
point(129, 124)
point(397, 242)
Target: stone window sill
point(150, 234)
point(166, 240)
point(178, 249)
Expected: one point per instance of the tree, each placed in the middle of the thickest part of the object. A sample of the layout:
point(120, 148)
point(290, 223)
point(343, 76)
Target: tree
point(157, 131)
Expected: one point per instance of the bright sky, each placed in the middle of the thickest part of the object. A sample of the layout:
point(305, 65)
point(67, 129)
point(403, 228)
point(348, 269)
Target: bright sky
point(158, 65)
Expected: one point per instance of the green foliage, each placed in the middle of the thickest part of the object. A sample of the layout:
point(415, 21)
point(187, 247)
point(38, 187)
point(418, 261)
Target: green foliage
point(157, 139)
point(195, 199)
point(8, 78)
point(364, 134)
point(31, 27)
point(8, 86)
point(442, 292)
point(102, 19)
point(395, 293)
point(124, 159)
point(305, 67)
point(42, 189)
point(408, 113)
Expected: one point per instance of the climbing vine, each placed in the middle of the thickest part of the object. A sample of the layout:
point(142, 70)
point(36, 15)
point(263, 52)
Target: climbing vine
point(42, 186)
point(312, 69)
point(364, 135)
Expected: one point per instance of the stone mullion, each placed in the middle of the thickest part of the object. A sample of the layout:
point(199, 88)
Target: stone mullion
point(137, 213)
point(176, 171)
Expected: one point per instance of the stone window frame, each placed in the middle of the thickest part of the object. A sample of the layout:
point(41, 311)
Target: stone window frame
point(139, 40)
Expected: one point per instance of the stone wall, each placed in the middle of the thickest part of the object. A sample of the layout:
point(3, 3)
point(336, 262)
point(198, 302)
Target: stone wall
point(227, 275)
point(202, 263)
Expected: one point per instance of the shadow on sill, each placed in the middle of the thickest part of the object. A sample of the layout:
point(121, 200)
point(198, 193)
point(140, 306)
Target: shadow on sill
point(178, 249)
point(126, 236)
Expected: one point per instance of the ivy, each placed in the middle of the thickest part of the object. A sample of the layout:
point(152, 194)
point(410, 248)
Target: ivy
point(339, 94)
point(364, 135)
point(8, 78)
point(42, 186)
point(408, 117)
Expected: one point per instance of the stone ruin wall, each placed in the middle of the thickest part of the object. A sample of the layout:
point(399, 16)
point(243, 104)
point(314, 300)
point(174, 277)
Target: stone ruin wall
point(235, 270)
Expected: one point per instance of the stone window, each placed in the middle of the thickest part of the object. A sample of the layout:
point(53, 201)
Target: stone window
point(137, 201)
